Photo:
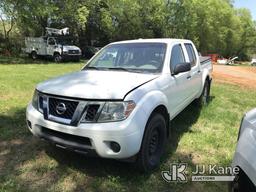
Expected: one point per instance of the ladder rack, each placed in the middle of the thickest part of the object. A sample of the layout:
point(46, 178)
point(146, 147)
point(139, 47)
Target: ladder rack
point(53, 31)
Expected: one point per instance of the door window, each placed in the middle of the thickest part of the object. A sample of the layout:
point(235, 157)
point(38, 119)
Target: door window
point(191, 54)
point(177, 56)
point(51, 41)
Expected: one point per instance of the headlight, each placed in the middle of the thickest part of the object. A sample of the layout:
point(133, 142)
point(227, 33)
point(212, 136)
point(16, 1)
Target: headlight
point(35, 100)
point(107, 111)
point(116, 111)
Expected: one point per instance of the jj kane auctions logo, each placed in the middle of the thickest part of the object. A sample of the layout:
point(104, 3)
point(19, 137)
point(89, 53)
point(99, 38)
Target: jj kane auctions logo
point(179, 173)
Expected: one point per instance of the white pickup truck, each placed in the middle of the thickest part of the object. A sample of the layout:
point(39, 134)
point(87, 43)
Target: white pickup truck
point(120, 104)
point(245, 155)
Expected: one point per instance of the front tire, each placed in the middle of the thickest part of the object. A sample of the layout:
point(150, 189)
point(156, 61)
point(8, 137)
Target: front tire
point(33, 55)
point(153, 143)
point(57, 58)
point(241, 183)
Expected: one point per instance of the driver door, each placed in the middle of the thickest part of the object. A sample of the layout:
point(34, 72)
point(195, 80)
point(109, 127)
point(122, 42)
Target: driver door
point(51, 44)
point(178, 92)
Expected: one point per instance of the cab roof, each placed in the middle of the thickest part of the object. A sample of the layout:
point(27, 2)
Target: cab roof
point(162, 40)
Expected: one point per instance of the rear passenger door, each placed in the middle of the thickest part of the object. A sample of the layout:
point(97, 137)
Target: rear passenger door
point(195, 79)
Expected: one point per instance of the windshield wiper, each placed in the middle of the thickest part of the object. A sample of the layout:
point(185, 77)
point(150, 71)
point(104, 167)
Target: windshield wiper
point(113, 68)
point(132, 70)
point(117, 68)
point(106, 68)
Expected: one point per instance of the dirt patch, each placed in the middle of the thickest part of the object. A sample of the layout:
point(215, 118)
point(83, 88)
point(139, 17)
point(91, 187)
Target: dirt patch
point(242, 76)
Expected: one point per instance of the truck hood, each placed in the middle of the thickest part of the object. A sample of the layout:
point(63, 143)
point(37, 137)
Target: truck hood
point(95, 84)
point(70, 47)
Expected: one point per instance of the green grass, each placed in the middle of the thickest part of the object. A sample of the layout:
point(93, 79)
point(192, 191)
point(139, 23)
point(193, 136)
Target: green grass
point(206, 136)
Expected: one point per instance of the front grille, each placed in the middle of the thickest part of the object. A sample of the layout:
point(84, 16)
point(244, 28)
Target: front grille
point(73, 52)
point(91, 112)
point(69, 105)
point(69, 111)
point(40, 103)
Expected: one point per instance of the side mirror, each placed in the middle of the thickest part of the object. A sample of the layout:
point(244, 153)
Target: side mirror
point(181, 68)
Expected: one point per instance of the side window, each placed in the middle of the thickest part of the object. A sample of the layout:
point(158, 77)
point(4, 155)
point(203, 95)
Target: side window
point(191, 54)
point(177, 56)
point(51, 41)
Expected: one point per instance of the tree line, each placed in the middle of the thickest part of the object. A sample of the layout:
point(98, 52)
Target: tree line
point(215, 26)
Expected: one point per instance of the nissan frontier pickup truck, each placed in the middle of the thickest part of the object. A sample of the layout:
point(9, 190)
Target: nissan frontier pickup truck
point(120, 104)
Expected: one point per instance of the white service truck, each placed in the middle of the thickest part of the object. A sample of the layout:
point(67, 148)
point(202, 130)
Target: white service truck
point(253, 62)
point(55, 45)
point(120, 104)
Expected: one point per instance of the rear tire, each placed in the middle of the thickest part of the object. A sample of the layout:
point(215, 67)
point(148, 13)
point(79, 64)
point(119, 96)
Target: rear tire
point(57, 58)
point(153, 143)
point(205, 96)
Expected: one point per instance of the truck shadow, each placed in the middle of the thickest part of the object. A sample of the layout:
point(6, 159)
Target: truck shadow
point(12, 60)
point(180, 125)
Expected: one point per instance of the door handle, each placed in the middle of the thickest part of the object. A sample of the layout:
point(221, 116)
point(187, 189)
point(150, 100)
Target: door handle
point(198, 71)
point(189, 77)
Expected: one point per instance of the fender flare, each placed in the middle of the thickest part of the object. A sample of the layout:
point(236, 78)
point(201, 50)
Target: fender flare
point(149, 103)
point(33, 50)
point(152, 100)
point(205, 76)
point(56, 52)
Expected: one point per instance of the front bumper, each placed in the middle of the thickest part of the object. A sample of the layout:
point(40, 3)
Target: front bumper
point(67, 57)
point(91, 137)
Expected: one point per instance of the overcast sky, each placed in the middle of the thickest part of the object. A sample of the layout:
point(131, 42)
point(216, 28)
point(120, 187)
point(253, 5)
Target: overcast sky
point(249, 4)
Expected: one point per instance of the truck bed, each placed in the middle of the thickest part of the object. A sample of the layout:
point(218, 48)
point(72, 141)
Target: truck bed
point(204, 60)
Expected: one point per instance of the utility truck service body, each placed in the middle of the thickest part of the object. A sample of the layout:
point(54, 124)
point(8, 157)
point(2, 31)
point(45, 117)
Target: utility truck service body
point(55, 45)
point(120, 104)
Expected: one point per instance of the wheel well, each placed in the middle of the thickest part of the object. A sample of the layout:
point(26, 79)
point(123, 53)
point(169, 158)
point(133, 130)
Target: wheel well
point(245, 180)
point(161, 109)
point(207, 79)
point(56, 53)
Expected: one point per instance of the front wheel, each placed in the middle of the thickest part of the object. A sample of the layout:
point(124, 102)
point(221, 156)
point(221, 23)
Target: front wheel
point(33, 55)
point(153, 142)
point(57, 58)
point(241, 183)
